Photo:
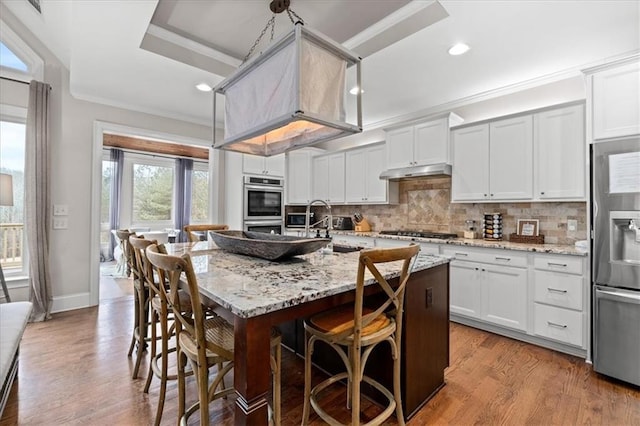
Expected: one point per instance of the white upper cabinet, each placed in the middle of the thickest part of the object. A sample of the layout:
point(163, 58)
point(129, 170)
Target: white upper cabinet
point(329, 178)
point(559, 154)
point(470, 176)
point(363, 167)
point(256, 165)
point(420, 144)
point(511, 159)
point(616, 101)
point(536, 157)
point(298, 180)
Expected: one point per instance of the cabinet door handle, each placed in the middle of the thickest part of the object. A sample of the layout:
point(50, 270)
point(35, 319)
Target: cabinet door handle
point(556, 290)
point(508, 259)
point(485, 195)
point(554, 324)
point(542, 193)
point(562, 265)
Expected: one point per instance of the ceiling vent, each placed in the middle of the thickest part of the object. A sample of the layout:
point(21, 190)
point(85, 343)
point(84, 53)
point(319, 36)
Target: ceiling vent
point(36, 5)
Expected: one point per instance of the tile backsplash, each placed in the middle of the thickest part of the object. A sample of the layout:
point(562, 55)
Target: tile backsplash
point(425, 205)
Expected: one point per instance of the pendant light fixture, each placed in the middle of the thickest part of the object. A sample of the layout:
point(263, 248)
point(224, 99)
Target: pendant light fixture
point(291, 95)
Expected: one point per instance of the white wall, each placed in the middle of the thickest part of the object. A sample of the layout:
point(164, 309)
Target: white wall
point(72, 125)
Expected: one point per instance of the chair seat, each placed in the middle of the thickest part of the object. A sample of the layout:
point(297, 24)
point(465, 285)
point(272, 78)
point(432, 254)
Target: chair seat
point(185, 302)
point(339, 319)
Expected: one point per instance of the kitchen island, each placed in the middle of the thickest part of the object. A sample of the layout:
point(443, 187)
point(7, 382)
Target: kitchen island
point(256, 294)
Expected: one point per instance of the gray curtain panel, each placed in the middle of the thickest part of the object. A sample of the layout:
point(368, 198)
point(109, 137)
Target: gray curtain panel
point(184, 167)
point(117, 164)
point(38, 199)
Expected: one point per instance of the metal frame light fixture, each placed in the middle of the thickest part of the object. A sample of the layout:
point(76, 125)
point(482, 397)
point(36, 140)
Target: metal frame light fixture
point(290, 96)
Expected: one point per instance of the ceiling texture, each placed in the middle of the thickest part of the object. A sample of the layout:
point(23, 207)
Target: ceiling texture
point(148, 55)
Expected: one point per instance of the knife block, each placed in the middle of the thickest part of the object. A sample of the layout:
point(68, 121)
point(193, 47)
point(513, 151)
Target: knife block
point(363, 226)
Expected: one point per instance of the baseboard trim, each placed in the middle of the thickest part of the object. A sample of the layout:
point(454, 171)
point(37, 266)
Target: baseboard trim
point(71, 302)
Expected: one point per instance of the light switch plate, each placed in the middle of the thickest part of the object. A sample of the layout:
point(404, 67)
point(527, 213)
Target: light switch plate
point(60, 223)
point(60, 209)
point(572, 225)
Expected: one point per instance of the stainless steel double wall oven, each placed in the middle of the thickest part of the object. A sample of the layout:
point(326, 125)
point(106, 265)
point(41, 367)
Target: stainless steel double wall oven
point(263, 204)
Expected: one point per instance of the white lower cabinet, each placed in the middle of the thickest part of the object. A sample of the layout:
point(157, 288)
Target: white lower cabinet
point(558, 324)
point(538, 297)
point(560, 298)
point(497, 294)
point(464, 287)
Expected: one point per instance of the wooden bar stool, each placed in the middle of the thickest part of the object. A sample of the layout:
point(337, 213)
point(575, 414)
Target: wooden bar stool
point(191, 230)
point(353, 331)
point(141, 306)
point(202, 341)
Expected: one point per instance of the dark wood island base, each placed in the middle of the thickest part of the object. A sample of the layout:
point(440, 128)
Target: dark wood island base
point(425, 343)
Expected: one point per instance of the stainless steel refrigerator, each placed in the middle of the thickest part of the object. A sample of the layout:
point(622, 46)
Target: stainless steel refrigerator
point(615, 201)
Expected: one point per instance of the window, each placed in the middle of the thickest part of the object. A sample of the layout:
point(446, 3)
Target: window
point(12, 236)
point(17, 60)
point(147, 194)
point(10, 60)
point(152, 193)
point(200, 193)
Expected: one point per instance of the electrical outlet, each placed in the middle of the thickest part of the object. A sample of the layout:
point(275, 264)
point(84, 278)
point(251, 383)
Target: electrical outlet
point(60, 209)
point(60, 223)
point(572, 225)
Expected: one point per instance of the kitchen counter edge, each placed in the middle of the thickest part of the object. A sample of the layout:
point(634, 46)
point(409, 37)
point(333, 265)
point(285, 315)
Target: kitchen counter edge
point(505, 245)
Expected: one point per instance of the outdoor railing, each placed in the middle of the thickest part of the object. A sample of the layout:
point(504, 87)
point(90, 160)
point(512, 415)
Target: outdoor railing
point(11, 244)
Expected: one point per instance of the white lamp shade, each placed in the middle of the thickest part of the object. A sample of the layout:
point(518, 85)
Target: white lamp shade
point(6, 189)
point(292, 95)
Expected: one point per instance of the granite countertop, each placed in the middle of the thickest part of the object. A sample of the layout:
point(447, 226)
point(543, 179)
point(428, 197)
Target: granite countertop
point(249, 286)
point(538, 248)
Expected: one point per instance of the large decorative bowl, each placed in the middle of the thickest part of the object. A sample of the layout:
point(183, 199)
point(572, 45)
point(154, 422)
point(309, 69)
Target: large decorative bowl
point(266, 246)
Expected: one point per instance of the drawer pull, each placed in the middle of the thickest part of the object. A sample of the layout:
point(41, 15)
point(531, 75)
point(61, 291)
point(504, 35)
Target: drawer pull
point(553, 324)
point(556, 290)
point(461, 254)
point(503, 258)
point(563, 265)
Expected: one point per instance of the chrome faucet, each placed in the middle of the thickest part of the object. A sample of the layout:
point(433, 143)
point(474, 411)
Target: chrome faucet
point(308, 214)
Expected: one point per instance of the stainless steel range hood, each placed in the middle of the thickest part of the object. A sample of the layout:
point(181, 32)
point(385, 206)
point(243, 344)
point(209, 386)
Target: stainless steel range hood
point(434, 170)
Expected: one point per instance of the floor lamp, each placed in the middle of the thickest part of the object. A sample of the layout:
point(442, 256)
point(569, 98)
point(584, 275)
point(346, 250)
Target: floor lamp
point(6, 199)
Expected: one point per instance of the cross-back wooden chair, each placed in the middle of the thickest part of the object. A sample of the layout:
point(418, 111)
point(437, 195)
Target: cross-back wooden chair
point(191, 230)
point(354, 330)
point(202, 341)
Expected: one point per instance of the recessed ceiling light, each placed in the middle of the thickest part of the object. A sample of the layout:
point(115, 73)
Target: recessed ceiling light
point(354, 90)
point(204, 87)
point(458, 49)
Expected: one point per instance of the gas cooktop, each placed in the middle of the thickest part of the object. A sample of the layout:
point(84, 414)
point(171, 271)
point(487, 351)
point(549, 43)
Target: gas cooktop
point(420, 234)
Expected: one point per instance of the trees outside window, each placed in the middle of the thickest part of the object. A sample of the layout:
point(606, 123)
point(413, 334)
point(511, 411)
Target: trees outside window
point(152, 193)
point(199, 193)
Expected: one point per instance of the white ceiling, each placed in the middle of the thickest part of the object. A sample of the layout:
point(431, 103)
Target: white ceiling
point(512, 42)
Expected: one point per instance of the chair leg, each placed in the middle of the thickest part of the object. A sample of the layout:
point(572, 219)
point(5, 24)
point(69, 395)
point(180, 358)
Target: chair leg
point(153, 350)
point(307, 379)
point(349, 380)
point(164, 366)
point(182, 361)
point(356, 380)
point(275, 371)
point(396, 386)
point(136, 318)
point(142, 326)
point(203, 392)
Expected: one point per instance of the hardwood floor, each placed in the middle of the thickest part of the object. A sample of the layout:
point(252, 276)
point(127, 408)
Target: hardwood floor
point(74, 370)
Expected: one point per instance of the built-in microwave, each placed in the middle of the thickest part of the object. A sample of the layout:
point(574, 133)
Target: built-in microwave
point(297, 220)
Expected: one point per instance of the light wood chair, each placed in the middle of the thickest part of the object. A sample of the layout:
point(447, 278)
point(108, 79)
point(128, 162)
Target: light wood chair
point(191, 230)
point(141, 305)
point(160, 316)
point(354, 330)
point(204, 342)
point(123, 235)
